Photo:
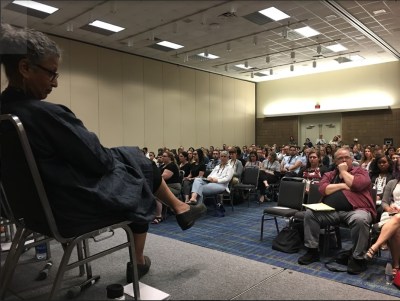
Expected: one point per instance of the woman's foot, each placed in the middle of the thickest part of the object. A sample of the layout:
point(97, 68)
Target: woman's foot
point(191, 202)
point(371, 253)
point(157, 220)
point(266, 184)
point(395, 270)
point(261, 199)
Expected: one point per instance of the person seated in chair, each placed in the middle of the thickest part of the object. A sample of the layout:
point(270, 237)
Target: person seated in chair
point(291, 164)
point(269, 174)
point(86, 183)
point(348, 190)
point(217, 181)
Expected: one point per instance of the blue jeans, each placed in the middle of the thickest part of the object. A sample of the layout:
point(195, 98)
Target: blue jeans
point(203, 188)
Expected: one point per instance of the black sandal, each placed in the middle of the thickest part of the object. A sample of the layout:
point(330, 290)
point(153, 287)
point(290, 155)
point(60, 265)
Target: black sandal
point(371, 253)
point(157, 220)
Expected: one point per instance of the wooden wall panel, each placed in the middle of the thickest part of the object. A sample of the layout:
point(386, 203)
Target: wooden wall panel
point(228, 100)
point(202, 109)
point(188, 107)
point(216, 111)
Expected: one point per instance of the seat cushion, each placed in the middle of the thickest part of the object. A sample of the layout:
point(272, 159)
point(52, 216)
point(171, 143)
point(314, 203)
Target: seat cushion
point(280, 211)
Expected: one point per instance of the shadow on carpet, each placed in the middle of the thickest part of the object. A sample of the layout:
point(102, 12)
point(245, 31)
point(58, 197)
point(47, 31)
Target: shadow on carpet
point(238, 233)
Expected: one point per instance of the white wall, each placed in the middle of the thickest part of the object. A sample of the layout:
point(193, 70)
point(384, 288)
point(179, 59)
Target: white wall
point(336, 90)
point(130, 100)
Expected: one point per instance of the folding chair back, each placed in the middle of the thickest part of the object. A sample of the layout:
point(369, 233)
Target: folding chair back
point(313, 194)
point(249, 182)
point(290, 201)
point(30, 208)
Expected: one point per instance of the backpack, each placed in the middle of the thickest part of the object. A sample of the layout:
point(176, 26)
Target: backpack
point(288, 240)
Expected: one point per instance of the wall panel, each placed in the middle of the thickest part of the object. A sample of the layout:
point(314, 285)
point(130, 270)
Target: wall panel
point(188, 107)
point(110, 98)
point(216, 111)
point(154, 106)
point(172, 105)
point(202, 109)
point(133, 100)
point(228, 100)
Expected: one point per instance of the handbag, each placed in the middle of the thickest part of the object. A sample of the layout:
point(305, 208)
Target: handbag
point(396, 280)
point(288, 240)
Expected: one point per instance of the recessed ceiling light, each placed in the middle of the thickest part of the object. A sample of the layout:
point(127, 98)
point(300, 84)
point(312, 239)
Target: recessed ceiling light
point(307, 31)
point(356, 57)
point(38, 6)
point(379, 12)
point(169, 45)
point(106, 26)
point(243, 66)
point(359, 37)
point(274, 14)
point(208, 56)
point(336, 47)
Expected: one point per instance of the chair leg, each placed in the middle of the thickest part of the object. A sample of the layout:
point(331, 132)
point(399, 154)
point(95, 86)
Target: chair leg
point(62, 269)
point(262, 227)
point(80, 257)
point(276, 224)
point(86, 252)
point(135, 277)
point(14, 253)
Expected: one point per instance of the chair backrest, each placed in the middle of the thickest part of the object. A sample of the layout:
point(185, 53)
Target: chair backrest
point(291, 194)
point(250, 176)
point(21, 180)
point(313, 194)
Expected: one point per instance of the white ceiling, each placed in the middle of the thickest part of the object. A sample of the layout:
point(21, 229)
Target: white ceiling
point(219, 25)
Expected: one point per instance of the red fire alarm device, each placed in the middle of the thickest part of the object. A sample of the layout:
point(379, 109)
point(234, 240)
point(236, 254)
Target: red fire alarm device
point(317, 106)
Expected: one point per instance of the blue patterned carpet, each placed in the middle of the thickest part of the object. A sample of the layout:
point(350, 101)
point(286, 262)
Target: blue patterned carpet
point(238, 233)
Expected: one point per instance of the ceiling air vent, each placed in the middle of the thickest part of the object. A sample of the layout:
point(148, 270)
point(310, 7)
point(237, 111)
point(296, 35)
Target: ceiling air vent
point(228, 15)
point(198, 58)
point(258, 18)
point(292, 35)
point(342, 59)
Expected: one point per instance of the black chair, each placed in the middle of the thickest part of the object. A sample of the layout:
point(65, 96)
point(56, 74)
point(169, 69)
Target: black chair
point(290, 201)
point(32, 213)
point(248, 183)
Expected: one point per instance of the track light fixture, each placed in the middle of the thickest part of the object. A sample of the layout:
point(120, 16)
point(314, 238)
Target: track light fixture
point(228, 47)
point(246, 64)
point(206, 52)
point(314, 64)
point(271, 71)
point(130, 43)
point(267, 59)
point(226, 67)
point(252, 74)
point(319, 49)
point(292, 55)
point(284, 32)
point(292, 67)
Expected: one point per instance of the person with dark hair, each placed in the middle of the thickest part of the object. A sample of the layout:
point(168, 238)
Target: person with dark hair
point(86, 183)
point(380, 172)
point(197, 170)
point(389, 221)
point(184, 163)
point(269, 174)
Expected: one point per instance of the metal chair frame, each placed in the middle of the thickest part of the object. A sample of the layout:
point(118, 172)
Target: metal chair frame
point(23, 188)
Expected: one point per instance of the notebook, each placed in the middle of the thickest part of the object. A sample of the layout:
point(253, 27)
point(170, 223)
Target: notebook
point(319, 207)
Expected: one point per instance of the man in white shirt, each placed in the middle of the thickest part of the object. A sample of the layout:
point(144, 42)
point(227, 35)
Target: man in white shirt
point(320, 140)
point(291, 164)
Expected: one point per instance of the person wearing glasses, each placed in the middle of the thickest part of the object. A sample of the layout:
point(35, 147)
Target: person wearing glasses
point(197, 170)
point(86, 183)
point(348, 190)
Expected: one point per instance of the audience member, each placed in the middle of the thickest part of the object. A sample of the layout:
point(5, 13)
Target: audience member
point(320, 140)
point(197, 170)
point(216, 182)
point(291, 164)
point(367, 158)
point(269, 174)
point(347, 189)
point(184, 163)
point(236, 165)
point(381, 172)
point(252, 161)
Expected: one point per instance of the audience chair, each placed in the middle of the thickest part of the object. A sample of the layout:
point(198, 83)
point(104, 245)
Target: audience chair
point(249, 182)
point(290, 201)
point(32, 213)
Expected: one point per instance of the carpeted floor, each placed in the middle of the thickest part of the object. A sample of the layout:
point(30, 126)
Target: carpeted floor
point(238, 233)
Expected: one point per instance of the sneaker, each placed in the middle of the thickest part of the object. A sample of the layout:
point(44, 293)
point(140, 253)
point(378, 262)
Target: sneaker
point(356, 266)
point(311, 256)
point(142, 269)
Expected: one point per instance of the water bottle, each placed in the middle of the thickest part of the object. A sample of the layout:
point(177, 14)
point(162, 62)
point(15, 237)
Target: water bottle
point(41, 251)
point(388, 273)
